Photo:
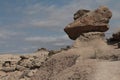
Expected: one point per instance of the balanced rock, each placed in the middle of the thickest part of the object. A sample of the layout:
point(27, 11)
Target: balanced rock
point(89, 21)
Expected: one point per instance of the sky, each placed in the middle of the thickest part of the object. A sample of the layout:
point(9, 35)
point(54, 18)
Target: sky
point(26, 25)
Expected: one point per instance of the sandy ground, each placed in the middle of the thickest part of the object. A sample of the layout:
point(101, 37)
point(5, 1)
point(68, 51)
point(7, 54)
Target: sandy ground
point(107, 71)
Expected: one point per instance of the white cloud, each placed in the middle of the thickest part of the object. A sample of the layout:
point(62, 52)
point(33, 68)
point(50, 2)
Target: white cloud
point(47, 39)
point(102, 1)
point(54, 16)
point(116, 14)
point(51, 42)
point(7, 34)
point(61, 44)
point(59, 17)
point(115, 28)
point(47, 23)
point(41, 39)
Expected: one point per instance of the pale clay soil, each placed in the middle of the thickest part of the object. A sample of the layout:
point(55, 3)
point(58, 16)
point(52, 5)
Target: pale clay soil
point(107, 71)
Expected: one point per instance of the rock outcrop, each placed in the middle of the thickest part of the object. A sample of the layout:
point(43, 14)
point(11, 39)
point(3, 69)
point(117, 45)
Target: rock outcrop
point(89, 21)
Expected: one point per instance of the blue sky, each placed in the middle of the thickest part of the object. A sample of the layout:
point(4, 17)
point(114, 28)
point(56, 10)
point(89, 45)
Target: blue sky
point(26, 25)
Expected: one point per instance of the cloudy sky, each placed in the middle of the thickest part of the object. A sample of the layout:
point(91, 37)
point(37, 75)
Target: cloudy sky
point(26, 25)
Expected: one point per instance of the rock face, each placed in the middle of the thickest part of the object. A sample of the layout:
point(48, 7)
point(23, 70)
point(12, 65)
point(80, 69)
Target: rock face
point(89, 21)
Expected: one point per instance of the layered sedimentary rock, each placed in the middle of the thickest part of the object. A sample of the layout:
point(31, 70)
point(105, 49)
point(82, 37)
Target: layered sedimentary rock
point(90, 39)
point(89, 21)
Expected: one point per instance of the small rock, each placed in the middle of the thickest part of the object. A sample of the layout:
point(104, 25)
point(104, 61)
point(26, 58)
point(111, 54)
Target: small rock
point(20, 68)
point(8, 69)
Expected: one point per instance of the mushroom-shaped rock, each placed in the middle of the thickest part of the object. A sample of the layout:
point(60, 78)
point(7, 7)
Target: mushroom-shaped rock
point(89, 21)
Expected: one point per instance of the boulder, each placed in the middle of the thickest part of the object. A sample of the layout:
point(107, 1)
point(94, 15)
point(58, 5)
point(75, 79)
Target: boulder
point(92, 21)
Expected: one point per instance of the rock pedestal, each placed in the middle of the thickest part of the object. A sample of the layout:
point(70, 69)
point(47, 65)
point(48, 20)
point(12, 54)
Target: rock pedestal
point(89, 39)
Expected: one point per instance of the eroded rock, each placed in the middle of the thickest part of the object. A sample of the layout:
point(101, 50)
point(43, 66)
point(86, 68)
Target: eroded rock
point(88, 39)
point(92, 21)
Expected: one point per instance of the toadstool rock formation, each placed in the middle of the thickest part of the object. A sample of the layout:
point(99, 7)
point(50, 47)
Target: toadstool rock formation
point(89, 21)
point(90, 58)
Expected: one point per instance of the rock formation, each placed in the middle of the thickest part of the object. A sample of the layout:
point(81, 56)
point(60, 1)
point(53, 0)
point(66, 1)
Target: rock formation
point(89, 21)
point(89, 58)
point(81, 62)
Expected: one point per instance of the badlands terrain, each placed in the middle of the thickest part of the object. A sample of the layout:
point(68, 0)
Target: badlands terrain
point(91, 57)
